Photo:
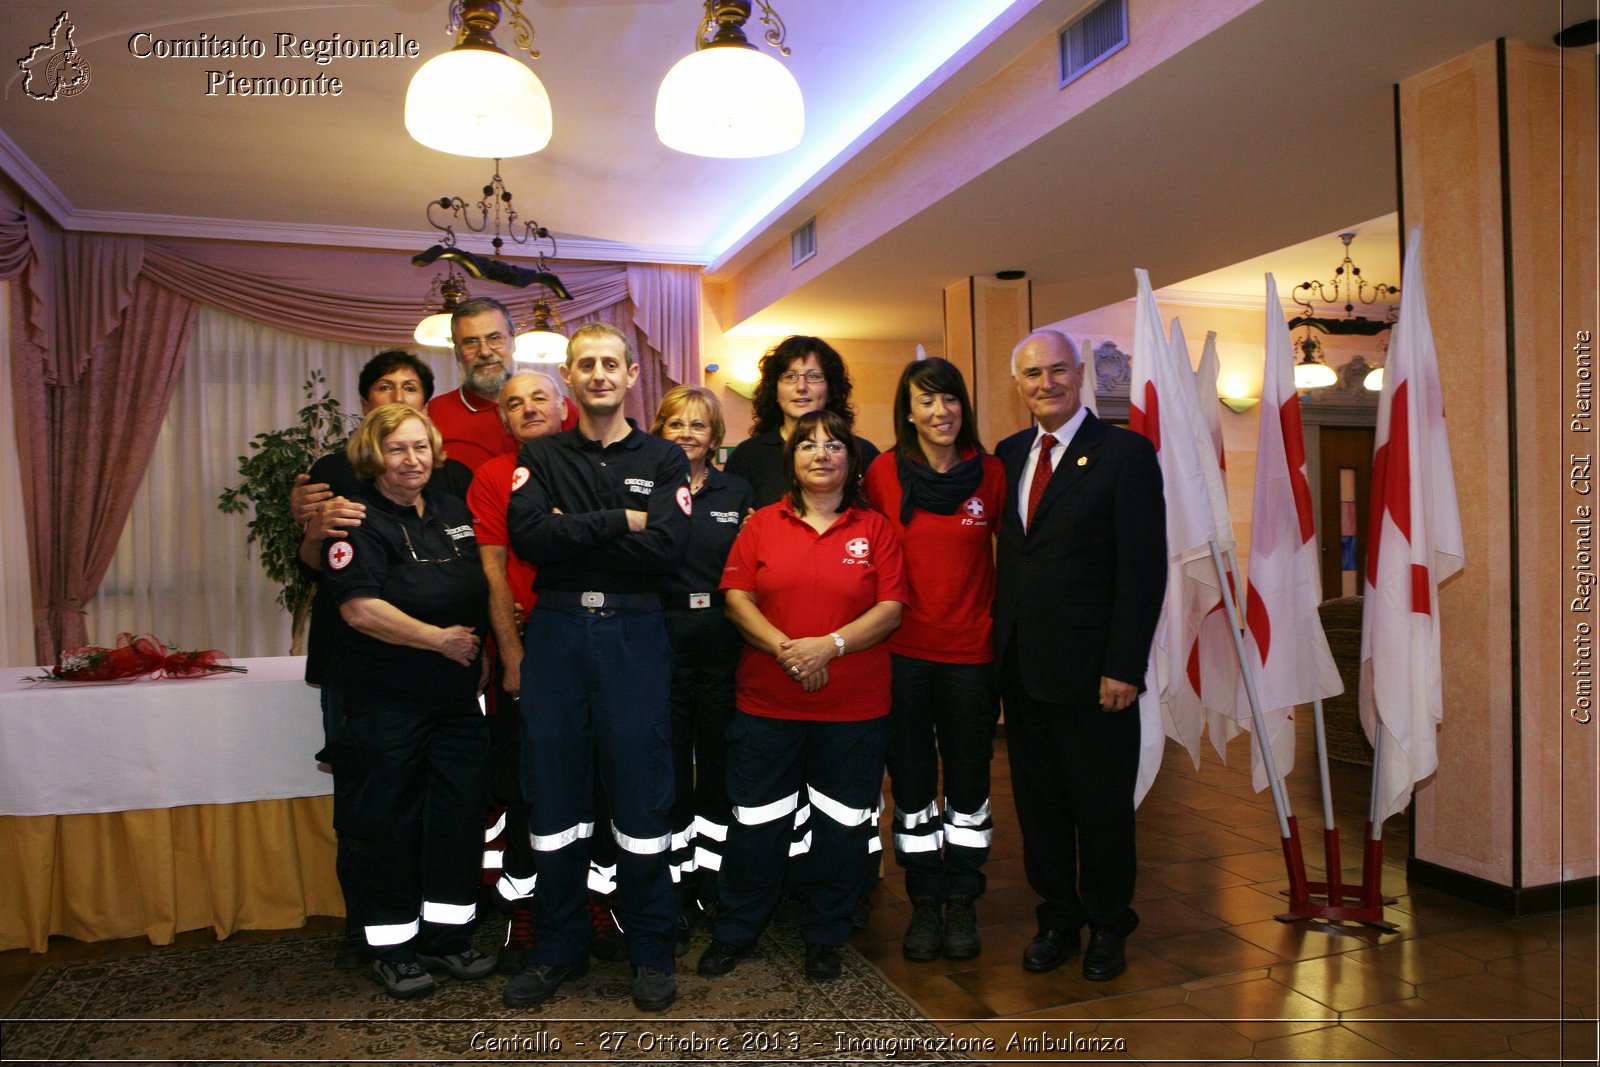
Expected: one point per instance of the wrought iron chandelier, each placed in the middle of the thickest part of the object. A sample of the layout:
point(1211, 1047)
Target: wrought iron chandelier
point(1348, 288)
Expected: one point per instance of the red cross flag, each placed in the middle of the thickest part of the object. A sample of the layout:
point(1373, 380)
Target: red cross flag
point(1414, 544)
point(1283, 635)
point(1161, 405)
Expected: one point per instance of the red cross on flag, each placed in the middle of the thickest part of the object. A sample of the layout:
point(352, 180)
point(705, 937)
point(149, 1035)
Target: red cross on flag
point(1414, 545)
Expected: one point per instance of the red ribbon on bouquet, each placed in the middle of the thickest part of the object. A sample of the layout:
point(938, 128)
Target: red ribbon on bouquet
point(135, 656)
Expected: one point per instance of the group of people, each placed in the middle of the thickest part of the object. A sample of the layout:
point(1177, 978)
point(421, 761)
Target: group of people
point(700, 676)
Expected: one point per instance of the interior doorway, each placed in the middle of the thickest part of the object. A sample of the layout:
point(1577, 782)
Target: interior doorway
point(1344, 463)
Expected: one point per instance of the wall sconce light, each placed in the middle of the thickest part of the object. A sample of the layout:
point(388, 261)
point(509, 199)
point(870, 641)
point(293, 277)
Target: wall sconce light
point(1239, 404)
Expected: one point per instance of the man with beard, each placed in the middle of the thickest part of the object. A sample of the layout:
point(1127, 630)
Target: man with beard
point(468, 417)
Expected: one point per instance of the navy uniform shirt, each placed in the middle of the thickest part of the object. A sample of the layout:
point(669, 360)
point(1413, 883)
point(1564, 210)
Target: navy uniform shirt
point(588, 545)
point(424, 565)
point(719, 508)
point(759, 461)
point(450, 478)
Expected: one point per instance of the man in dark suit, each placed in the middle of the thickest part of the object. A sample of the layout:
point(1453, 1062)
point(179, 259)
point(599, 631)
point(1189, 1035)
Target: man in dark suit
point(1082, 566)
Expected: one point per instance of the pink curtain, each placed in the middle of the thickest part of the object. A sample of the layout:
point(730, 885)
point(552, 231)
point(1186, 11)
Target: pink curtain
point(666, 303)
point(90, 443)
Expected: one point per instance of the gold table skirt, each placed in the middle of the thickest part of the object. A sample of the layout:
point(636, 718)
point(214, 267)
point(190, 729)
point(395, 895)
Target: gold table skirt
point(262, 865)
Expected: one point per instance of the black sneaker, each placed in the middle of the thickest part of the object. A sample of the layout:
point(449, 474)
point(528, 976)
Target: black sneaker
point(961, 940)
point(823, 963)
point(519, 939)
point(469, 965)
point(539, 983)
point(653, 990)
point(720, 957)
point(402, 979)
point(925, 934)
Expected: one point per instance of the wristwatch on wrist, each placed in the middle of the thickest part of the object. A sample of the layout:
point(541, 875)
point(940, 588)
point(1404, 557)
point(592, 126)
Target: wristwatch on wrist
point(838, 642)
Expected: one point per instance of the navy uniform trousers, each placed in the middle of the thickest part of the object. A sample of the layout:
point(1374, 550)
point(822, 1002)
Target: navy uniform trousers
point(595, 683)
point(831, 775)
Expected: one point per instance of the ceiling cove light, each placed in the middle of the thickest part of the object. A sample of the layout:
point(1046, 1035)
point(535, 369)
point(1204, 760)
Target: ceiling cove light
point(727, 99)
point(475, 100)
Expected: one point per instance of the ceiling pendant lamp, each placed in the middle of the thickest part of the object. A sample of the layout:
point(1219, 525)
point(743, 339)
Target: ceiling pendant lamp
point(444, 296)
point(1312, 372)
point(727, 99)
point(544, 343)
point(475, 100)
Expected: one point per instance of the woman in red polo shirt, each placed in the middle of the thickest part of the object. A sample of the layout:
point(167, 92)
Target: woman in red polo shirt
point(943, 497)
point(815, 583)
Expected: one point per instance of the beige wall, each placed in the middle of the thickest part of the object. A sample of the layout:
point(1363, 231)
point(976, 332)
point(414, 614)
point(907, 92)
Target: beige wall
point(1502, 619)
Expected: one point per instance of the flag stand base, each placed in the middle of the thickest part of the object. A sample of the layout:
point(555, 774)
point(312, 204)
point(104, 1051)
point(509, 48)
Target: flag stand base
point(1367, 903)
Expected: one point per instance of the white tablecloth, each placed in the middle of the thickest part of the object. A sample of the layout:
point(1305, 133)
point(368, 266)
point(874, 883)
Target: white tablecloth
point(72, 749)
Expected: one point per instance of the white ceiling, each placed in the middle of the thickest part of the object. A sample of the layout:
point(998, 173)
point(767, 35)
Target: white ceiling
point(1275, 130)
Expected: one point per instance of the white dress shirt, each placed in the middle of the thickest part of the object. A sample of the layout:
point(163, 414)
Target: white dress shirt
point(1063, 435)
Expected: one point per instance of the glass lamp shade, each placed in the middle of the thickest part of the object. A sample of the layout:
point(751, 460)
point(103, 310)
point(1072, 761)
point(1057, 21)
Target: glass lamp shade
point(434, 331)
point(729, 102)
point(1373, 380)
point(540, 346)
point(474, 102)
point(1313, 374)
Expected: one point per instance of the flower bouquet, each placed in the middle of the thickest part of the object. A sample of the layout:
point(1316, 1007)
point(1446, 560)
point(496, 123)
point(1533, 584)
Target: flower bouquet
point(133, 657)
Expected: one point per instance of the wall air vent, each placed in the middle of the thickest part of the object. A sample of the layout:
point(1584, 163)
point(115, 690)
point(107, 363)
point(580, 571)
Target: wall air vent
point(803, 243)
point(1099, 32)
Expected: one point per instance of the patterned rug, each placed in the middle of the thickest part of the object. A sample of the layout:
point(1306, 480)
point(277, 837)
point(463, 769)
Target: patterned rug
point(283, 1001)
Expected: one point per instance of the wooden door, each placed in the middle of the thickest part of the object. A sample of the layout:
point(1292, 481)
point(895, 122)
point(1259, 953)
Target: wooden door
point(1344, 457)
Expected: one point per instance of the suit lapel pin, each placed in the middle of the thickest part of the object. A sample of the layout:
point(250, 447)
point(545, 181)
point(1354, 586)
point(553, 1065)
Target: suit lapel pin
point(1083, 461)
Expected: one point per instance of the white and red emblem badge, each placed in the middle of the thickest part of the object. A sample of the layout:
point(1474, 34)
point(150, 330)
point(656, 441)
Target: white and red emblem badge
point(973, 507)
point(518, 477)
point(858, 547)
point(685, 500)
point(340, 555)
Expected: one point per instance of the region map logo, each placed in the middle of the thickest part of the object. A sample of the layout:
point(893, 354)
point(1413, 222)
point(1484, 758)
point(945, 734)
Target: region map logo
point(55, 69)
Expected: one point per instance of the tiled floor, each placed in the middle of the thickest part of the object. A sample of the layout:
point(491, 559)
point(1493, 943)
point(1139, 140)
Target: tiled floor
point(1212, 976)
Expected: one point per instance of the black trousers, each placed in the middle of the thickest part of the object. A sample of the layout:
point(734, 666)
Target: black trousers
point(705, 659)
point(414, 787)
point(942, 713)
point(831, 773)
point(1073, 769)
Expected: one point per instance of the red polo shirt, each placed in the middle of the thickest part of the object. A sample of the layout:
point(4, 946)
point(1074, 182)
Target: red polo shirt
point(471, 427)
point(807, 585)
point(488, 497)
point(949, 566)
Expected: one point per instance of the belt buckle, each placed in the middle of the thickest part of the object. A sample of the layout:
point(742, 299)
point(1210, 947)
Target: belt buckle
point(699, 600)
point(592, 600)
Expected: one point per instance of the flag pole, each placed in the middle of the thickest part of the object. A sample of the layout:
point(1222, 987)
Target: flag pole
point(1288, 832)
point(1330, 827)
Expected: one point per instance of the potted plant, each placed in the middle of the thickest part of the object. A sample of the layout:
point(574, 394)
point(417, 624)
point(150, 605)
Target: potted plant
point(269, 472)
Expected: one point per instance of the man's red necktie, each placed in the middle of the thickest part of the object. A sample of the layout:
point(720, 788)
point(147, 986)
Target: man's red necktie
point(1041, 476)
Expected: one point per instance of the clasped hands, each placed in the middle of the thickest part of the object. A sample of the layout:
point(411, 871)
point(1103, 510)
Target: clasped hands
point(805, 659)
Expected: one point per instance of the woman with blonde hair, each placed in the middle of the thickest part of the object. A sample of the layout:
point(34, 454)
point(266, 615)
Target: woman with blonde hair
point(404, 677)
point(705, 652)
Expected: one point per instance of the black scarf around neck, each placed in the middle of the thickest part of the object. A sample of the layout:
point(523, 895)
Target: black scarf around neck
point(924, 489)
